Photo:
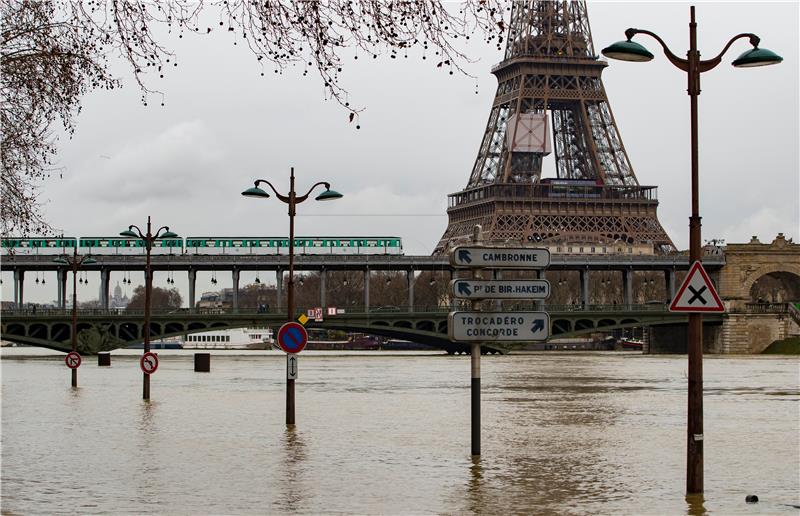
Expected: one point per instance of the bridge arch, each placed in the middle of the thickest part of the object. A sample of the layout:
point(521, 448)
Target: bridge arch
point(774, 284)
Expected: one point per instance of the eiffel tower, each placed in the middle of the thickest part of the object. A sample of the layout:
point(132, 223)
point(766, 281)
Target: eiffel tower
point(549, 81)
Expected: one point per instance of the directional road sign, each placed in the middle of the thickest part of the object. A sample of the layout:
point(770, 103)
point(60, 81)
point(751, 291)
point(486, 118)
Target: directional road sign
point(498, 326)
point(500, 289)
point(292, 337)
point(500, 257)
point(291, 366)
point(697, 293)
point(73, 360)
point(149, 363)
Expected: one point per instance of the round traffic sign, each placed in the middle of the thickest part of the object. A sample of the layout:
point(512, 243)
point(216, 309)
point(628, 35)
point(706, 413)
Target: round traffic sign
point(73, 360)
point(149, 363)
point(292, 337)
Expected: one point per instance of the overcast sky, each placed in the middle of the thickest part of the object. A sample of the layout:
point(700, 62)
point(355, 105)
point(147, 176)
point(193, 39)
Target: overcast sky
point(224, 125)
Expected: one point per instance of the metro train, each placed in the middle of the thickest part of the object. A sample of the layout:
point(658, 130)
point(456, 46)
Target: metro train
point(202, 245)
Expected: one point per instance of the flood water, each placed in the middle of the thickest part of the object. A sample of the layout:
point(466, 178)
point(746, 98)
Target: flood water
point(389, 433)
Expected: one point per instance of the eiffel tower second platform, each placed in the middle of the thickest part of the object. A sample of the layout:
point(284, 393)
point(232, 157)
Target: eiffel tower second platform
point(549, 81)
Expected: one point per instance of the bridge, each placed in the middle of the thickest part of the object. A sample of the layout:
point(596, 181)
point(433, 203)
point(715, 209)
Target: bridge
point(624, 266)
point(748, 277)
point(104, 330)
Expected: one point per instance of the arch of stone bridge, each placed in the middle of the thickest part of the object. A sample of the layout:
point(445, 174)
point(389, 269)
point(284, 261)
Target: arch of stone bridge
point(786, 275)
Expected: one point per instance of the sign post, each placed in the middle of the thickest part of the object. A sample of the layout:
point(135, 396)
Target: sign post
point(498, 326)
point(477, 326)
point(292, 338)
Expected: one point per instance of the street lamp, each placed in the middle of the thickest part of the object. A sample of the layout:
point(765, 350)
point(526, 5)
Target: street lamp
point(74, 262)
point(292, 199)
point(693, 66)
point(149, 238)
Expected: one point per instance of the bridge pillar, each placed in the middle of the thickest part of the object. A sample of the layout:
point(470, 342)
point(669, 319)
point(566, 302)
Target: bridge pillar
point(105, 285)
point(627, 282)
point(19, 286)
point(235, 278)
point(366, 289)
point(670, 279)
point(192, 285)
point(323, 282)
point(61, 282)
point(410, 282)
point(278, 289)
point(584, 287)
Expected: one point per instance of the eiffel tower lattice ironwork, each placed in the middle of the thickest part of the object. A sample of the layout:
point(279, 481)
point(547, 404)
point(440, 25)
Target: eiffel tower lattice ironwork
point(550, 80)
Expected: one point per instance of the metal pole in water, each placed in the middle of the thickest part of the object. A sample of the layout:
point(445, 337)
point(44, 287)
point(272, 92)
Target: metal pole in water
point(475, 362)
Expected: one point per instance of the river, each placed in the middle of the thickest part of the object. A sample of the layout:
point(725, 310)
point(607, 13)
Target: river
point(388, 433)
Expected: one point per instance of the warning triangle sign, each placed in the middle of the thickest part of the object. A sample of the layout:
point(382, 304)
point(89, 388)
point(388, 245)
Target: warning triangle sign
point(697, 293)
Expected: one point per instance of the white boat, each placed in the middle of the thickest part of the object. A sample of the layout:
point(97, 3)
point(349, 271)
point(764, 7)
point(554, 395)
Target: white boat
point(230, 338)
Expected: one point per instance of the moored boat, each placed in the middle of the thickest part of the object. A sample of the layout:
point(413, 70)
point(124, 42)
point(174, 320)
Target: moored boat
point(230, 338)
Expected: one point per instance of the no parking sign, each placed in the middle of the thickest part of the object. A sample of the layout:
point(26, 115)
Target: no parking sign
point(292, 337)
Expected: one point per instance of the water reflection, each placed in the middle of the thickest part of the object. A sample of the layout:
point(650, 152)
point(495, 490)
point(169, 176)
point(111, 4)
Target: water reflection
point(291, 476)
point(147, 463)
point(475, 487)
point(695, 504)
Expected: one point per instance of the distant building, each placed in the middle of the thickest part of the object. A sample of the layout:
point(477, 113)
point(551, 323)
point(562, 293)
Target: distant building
point(118, 300)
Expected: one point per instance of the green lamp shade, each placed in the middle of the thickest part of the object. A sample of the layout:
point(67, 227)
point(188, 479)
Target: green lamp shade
point(61, 260)
point(128, 233)
point(255, 192)
point(627, 51)
point(757, 57)
point(168, 234)
point(329, 195)
point(88, 261)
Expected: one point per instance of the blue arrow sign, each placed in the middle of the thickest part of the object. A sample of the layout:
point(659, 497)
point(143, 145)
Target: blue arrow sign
point(463, 288)
point(464, 256)
point(538, 325)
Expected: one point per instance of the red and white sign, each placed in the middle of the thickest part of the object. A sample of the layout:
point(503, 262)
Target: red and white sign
point(73, 360)
point(318, 314)
point(697, 293)
point(331, 310)
point(149, 363)
point(292, 337)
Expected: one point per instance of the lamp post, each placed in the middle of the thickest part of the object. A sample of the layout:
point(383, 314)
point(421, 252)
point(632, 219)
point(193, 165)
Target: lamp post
point(75, 262)
point(292, 199)
point(693, 66)
point(149, 238)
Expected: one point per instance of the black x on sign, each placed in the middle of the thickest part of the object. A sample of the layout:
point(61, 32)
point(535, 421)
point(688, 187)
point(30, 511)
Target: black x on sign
point(697, 293)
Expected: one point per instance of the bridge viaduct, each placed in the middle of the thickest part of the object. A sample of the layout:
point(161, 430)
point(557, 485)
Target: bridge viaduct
point(758, 283)
point(107, 265)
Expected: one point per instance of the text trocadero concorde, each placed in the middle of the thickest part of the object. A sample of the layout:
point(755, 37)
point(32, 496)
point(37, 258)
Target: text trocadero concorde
point(498, 326)
point(499, 257)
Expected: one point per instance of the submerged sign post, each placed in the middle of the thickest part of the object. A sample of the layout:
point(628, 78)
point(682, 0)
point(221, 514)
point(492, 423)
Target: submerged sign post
point(477, 326)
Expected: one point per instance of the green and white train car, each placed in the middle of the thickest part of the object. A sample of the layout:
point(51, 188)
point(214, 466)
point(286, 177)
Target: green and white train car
point(202, 245)
point(302, 245)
